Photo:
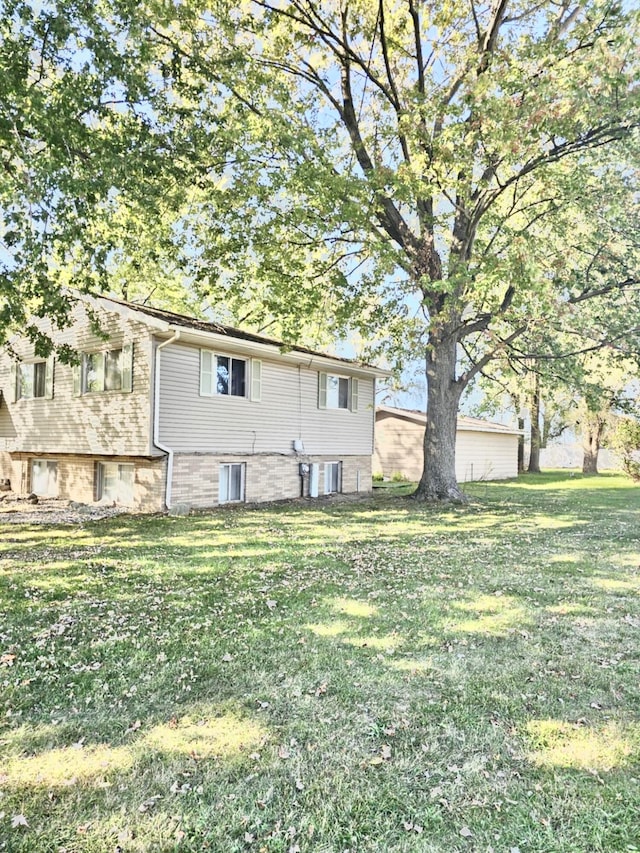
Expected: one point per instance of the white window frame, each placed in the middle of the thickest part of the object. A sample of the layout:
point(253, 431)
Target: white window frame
point(224, 482)
point(209, 376)
point(327, 400)
point(121, 496)
point(19, 369)
point(125, 370)
point(52, 467)
point(329, 468)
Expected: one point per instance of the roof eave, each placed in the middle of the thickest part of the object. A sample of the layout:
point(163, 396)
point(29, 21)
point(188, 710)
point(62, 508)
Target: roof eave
point(254, 349)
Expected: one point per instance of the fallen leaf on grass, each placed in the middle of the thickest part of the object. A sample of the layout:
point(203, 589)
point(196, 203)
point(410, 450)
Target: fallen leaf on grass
point(148, 804)
point(19, 820)
point(465, 832)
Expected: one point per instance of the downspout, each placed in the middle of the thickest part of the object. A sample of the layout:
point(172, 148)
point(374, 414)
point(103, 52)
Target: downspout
point(156, 419)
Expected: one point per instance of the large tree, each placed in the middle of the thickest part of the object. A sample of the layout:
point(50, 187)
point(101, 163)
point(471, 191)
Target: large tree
point(400, 165)
point(396, 167)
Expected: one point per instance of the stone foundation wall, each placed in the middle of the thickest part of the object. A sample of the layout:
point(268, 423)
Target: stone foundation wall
point(268, 477)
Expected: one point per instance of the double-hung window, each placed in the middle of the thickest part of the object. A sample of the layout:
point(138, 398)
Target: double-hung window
point(231, 486)
point(109, 370)
point(337, 392)
point(228, 376)
point(33, 379)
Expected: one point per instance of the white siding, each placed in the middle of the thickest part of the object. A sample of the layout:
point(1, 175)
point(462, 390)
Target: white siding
point(485, 456)
point(288, 410)
point(115, 422)
point(480, 454)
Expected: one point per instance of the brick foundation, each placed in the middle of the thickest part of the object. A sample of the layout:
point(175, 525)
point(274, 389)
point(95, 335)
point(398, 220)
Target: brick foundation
point(268, 477)
point(76, 476)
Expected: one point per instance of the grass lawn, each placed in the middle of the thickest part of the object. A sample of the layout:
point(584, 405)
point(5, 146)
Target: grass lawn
point(328, 677)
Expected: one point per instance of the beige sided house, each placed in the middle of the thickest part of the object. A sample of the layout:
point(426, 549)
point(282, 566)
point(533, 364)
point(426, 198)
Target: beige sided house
point(484, 450)
point(165, 409)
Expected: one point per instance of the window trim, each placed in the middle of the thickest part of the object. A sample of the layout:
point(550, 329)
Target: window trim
point(353, 392)
point(243, 482)
point(16, 379)
point(126, 371)
point(39, 459)
point(329, 467)
point(98, 485)
point(209, 373)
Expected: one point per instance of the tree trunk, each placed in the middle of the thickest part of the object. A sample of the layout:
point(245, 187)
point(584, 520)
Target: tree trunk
point(521, 446)
point(534, 452)
point(438, 481)
point(591, 435)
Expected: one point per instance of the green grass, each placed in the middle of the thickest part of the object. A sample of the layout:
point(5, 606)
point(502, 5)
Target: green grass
point(328, 677)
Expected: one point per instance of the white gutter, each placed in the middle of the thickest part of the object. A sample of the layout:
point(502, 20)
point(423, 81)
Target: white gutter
point(156, 418)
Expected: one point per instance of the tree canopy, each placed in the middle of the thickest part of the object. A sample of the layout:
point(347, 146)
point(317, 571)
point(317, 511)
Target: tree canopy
point(414, 170)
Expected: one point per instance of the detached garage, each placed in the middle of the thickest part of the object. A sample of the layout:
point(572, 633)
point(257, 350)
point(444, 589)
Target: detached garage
point(484, 450)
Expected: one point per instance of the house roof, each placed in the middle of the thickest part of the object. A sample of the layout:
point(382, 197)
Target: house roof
point(203, 332)
point(464, 422)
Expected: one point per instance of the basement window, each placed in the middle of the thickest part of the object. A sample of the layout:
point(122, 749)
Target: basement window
point(231, 487)
point(114, 482)
point(44, 478)
point(332, 478)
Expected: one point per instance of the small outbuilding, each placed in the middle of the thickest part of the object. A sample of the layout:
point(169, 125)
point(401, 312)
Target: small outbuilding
point(484, 450)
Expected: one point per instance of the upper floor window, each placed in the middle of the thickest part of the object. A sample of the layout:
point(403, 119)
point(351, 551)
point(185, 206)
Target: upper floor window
point(337, 392)
point(110, 370)
point(229, 376)
point(33, 379)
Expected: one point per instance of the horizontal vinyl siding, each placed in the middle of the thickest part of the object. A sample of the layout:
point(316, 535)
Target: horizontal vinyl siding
point(287, 411)
point(399, 447)
point(480, 455)
point(113, 422)
point(486, 456)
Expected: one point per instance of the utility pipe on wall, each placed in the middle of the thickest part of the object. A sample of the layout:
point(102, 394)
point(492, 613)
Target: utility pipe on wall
point(156, 419)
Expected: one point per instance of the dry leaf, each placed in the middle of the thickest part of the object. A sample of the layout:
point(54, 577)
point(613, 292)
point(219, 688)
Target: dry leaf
point(19, 820)
point(148, 804)
point(465, 832)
